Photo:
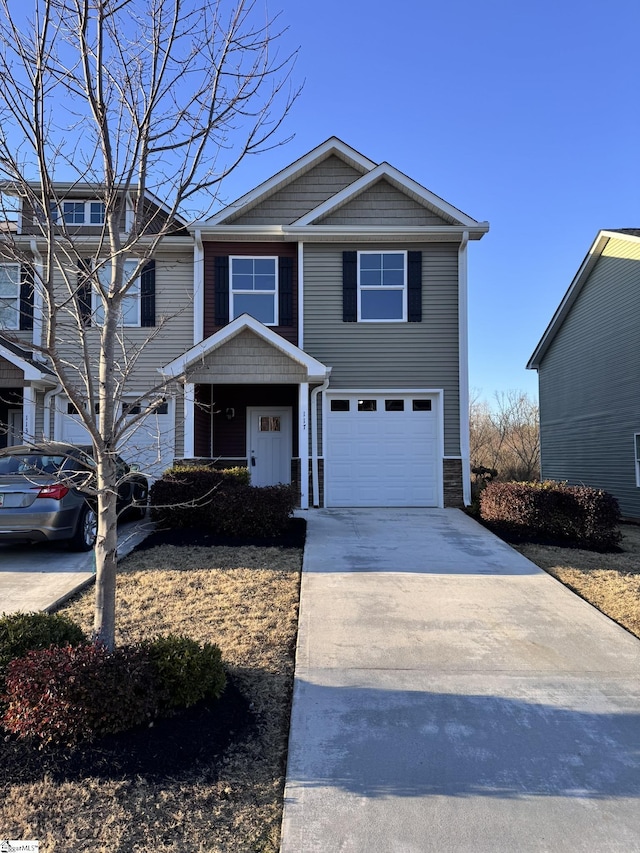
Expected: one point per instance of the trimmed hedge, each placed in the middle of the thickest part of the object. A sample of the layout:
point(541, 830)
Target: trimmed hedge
point(24, 632)
point(576, 515)
point(67, 694)
point(221, 501)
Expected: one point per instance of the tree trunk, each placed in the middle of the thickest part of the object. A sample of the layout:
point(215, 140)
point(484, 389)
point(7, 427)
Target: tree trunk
point(104, 625)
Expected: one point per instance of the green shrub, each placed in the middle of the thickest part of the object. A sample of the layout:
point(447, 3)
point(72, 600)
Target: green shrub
point(577, 515)
point(24, 632)
point(67, 694)
point(221, 501)
point(185, 671)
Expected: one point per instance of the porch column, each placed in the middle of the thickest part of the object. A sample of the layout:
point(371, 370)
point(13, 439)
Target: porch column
point(303, 443)
point(28, 414)
point(189, 420)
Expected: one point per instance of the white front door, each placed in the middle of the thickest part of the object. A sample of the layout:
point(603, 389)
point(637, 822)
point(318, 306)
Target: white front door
point(269, 445)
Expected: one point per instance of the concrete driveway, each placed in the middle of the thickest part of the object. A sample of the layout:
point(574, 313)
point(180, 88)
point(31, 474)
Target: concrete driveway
point(450, 696)
point(39, 577)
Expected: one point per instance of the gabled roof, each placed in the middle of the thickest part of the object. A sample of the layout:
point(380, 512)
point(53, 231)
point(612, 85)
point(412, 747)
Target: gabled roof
point(315, 369)
point(332, 147)
point(23, 359)
point(310, 223)
point(399, 181)
point(592, 257)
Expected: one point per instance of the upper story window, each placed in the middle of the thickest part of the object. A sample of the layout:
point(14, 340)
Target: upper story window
point(254, 288)
point(131, 302)
point(83, 212)
point(382, 286)
point(9, 296)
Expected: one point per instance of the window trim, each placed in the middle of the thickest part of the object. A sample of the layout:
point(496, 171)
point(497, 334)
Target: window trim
point(382, 287)
point(275, 293)
point(17, 297)
point(134, 290)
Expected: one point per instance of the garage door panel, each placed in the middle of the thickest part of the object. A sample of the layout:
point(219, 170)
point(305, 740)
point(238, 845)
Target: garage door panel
point(382, 458)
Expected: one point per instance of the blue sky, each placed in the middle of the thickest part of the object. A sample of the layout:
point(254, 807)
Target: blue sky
point(526, 115)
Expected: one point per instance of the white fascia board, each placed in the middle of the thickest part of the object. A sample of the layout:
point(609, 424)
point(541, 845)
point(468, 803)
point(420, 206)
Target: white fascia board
point(287, 175)
point(310, 233)
point(591, 259)
point(30, 372)
point(402, 183)
point(316, 370)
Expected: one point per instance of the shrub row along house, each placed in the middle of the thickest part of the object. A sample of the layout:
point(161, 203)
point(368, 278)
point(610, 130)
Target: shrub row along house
point(588, 363)
point(314, 330)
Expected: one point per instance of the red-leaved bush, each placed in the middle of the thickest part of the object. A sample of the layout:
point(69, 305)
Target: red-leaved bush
point(580, 516)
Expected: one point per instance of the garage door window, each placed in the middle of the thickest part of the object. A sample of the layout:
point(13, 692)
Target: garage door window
point(422, 405)
point(339, 405)
point(367, 405)
point(394, 405)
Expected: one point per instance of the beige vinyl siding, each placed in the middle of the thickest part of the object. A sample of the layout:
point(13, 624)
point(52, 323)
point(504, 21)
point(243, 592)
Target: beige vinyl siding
point(302, 195)
point(589, 401)
point(10, 375)
point(382, 204)
point(388, 355)
point(150, 348)
point(247, 359)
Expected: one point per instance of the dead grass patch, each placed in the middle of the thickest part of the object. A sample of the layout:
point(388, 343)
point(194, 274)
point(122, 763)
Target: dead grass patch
point(244, 599)
point(611, 582)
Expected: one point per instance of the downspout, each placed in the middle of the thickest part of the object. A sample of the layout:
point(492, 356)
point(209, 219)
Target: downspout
point(46, 430)
point(463, 351)
point(198, 288)
point(300, 294)
point(314, 438)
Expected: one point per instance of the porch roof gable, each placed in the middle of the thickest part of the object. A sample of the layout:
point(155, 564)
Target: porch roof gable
point(316, 371)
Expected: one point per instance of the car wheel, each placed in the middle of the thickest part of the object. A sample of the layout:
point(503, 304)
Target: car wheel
point(85, 536)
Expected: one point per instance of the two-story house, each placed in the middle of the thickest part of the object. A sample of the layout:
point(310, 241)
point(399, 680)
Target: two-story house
point(330, 312)
point(156, 323)
point(316, 329)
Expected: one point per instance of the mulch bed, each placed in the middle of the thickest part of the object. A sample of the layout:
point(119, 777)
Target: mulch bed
point(192, 741)
point(196, 537)
point(176, 747)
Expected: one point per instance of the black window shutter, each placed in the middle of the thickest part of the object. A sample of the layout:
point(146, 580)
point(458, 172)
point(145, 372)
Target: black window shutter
point(285, 291)
point(221, 308)
point(26, 296)
point(349, 287)
point(148, 294)
point(83, 293)
point(414, 286)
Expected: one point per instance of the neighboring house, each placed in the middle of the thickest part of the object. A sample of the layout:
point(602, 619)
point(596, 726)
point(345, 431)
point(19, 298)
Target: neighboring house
point(327, 340)
point(588, 364)
point(331, 336)
point(157, 322)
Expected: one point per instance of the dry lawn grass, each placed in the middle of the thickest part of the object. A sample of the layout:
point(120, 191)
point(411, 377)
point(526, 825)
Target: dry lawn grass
point(611, 582)
point(244, 599)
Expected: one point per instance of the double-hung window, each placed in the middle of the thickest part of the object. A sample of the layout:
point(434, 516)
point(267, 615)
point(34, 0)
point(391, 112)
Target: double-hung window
point(130, 315)
point(254, 288)
point(382, 286)
point(9, 296)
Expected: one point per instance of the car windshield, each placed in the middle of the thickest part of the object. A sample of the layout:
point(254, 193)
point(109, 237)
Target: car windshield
point(32, 463)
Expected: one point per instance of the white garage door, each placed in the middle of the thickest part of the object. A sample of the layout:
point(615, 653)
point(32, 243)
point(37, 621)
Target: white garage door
point(149, 444)
point(382, 450)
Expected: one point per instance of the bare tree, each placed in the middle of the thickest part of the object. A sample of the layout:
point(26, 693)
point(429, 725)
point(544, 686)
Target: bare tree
point(505, 437)
point(133, 99)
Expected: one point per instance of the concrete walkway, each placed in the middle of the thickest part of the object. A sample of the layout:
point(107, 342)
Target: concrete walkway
point(41, 577)
point(450, 696)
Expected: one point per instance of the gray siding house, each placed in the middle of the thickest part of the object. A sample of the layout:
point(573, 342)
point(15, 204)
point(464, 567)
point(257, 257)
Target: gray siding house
point(588, 364)
point(331, 346)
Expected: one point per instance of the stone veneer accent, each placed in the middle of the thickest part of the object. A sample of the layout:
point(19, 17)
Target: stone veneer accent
point(452, 476)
